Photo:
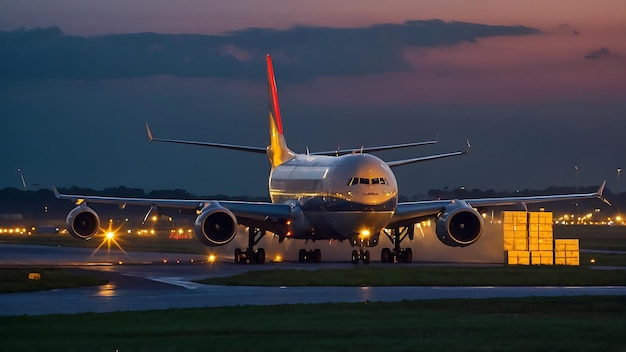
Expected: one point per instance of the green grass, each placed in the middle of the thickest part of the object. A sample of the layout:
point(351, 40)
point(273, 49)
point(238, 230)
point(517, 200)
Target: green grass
point(524, 324)
point(429, 276)
point(17, 280)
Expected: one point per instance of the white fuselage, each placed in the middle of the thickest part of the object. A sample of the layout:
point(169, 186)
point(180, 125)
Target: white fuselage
point(339, 197)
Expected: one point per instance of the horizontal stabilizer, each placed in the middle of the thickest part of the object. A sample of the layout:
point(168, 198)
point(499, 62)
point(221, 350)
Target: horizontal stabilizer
point(429, 157)
point(374, 149)
point(258, 150)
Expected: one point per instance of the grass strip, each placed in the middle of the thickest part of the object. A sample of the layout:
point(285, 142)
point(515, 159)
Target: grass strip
point(522, 324)
point(17, 279)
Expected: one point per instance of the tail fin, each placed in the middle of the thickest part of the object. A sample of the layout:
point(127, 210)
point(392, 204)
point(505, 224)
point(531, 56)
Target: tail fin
point(277, 152)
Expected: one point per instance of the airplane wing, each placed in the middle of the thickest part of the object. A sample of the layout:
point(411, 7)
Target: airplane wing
point(411, 212)
point(244, 211)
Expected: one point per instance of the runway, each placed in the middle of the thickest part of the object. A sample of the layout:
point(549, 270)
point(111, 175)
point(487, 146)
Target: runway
point(162, 286)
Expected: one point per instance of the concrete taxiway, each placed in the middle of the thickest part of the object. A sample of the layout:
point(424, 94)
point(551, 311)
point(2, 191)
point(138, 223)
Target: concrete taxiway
point(155, 281)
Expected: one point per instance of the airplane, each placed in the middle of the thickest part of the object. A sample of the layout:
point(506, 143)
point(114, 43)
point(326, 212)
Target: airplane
point(345, 195)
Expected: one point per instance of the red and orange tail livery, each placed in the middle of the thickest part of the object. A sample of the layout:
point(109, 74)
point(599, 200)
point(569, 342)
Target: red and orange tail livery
point(277, 152)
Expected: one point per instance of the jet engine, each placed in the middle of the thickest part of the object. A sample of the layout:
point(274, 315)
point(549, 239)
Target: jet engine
point(459, 225)
point(82, 222)
point(215, 226)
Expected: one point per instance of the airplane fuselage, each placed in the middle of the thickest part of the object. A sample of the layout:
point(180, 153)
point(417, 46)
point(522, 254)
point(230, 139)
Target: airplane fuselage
point(339, 197)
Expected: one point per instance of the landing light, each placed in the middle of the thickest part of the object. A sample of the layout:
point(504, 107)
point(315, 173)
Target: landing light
point(110, 235)
point(365, 233)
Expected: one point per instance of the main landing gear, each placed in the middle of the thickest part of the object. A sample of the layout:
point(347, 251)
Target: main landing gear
point(251, 255)
point(314, 256)
point(398, 254)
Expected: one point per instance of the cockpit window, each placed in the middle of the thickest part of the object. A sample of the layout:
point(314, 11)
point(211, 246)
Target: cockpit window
point(367, 181)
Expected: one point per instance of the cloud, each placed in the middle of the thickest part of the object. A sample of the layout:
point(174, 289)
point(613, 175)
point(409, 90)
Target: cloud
point(597, 54)
point(307, 52)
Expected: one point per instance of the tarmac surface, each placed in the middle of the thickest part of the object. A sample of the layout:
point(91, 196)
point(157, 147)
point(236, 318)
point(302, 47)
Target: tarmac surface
point(148, 280)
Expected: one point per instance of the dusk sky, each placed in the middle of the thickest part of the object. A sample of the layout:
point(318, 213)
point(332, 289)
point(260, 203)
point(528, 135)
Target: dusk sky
point(537, 86)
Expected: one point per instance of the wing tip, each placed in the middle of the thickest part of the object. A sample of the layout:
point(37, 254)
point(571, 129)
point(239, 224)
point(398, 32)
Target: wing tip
point(56, 192)
point(599, 194)
point(150, 138)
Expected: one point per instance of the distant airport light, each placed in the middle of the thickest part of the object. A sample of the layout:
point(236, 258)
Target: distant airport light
point(278, 258)
point(211, 258)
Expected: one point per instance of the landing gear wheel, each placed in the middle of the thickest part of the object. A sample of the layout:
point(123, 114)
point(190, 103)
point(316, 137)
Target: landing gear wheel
point(237, 256)
point(407, 256)
point(302, 256)
point(260, 256)
point(317, 255)
point(385, 255)
point(355, 257)
point(366, 257)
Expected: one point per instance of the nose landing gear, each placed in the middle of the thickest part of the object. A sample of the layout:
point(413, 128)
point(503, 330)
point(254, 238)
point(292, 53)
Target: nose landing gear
point(362, 253)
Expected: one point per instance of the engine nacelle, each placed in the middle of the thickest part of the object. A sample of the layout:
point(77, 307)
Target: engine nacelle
point(459, 225)
point(215, 226)
point(82, 222)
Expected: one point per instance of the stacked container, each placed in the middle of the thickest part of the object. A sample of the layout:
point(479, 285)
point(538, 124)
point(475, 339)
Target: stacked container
point(566, 252)
point(515, 233)
point(528, 239)
point(540, 238)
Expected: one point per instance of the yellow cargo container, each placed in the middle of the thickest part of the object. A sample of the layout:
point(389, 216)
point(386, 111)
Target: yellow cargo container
point(515, 234)
point(566, 244)
point(517, 257)
point(540, 217)
point(540, 244)
point(515, 245)
point(538, 231)
point(541, 258)
point(574, 261)
point(522, 228)
point(566, 252)
point(515, 217)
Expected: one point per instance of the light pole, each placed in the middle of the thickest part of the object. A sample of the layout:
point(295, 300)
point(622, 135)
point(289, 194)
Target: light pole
point(619, 171)
point(576, 203)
